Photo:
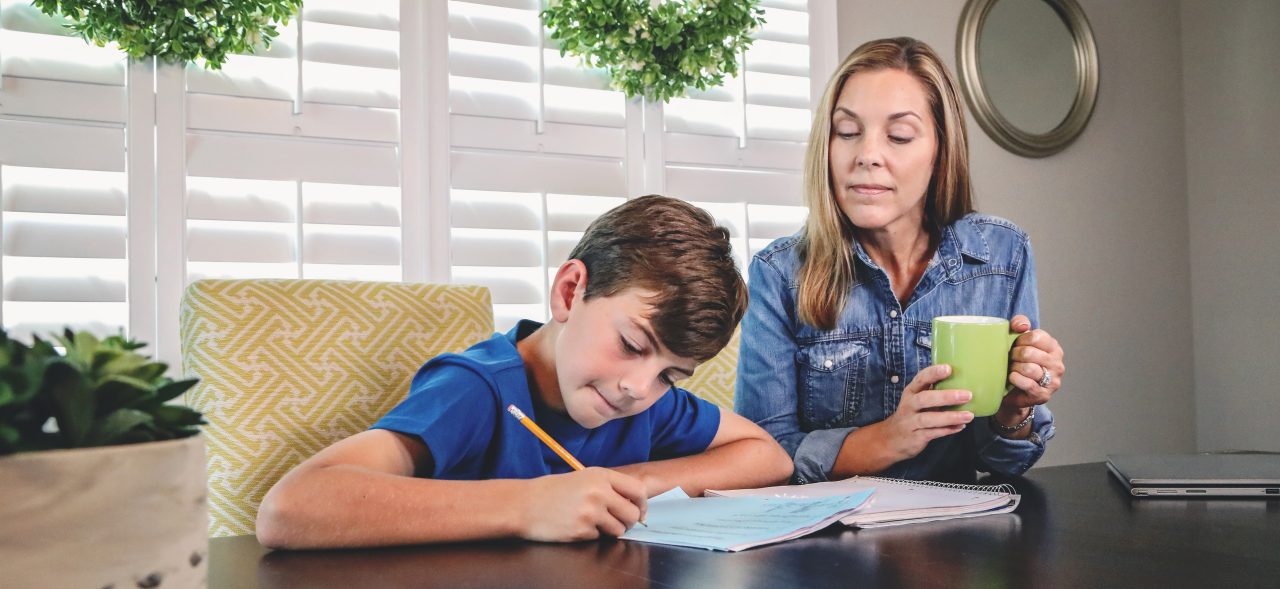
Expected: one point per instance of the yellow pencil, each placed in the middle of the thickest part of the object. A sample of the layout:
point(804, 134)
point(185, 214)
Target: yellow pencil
point(549, 441)
point(546, 439)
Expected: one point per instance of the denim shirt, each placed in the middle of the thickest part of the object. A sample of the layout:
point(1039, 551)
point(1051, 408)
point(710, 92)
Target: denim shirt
point(810, 387)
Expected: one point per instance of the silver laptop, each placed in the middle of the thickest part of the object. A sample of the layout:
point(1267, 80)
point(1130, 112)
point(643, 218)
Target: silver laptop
point(1198, 475)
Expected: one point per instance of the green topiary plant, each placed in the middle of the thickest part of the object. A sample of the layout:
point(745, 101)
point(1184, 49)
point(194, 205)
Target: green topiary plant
point(176, 31)
point(661, 51)
point(100, 393)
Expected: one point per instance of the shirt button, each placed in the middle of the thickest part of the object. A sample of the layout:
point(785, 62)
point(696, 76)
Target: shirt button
point(893, 313)
point(827, 364)
point(894, 379)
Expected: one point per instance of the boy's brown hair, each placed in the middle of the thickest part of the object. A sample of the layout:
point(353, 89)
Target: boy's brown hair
point(676, 250)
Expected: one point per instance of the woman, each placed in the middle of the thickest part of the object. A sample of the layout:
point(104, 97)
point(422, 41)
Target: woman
point(835, 359)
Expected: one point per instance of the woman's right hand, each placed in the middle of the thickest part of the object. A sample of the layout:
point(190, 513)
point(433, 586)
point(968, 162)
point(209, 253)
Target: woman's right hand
point(922, 416)
point(582, 505)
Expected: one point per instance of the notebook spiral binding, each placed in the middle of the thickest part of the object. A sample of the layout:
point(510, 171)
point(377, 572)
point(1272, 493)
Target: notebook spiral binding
point(1001, 488)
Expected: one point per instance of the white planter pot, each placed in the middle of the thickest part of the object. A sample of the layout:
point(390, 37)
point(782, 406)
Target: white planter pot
point(117, 516)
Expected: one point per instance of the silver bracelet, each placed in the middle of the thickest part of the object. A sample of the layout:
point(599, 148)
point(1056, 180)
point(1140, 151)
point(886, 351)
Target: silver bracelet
point(1009, 429)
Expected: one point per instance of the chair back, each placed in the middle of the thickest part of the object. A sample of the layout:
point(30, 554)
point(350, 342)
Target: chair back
point(713, 380)
point(288, 367)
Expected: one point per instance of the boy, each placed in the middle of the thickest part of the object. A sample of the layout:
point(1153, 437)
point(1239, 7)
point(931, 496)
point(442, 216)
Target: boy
point(650, 291)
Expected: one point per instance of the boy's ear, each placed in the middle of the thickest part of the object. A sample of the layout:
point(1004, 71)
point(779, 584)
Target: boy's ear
point(567, 289)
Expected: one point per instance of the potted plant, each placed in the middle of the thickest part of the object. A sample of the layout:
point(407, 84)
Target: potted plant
point(208, 31)
point(102, 481)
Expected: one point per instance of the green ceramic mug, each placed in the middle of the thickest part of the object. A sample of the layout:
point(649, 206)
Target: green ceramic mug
point(977, 348)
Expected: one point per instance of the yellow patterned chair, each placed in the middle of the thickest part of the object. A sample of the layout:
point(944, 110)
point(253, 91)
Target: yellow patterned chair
point(288, 367)
point(713, 380)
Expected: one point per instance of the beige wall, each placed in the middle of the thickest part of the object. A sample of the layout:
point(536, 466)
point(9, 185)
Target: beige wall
point(1231, 68)
point(1108, 220)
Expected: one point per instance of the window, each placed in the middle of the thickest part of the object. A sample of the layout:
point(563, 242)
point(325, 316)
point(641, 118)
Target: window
point(537, 150)
point(540, 147)
point(738, 150)
point(292, 164)
point(63, 180)
point(379, 140)
point(290, 158)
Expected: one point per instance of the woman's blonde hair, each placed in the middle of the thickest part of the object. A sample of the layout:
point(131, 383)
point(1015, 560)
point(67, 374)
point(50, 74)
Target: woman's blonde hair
point(826, 245)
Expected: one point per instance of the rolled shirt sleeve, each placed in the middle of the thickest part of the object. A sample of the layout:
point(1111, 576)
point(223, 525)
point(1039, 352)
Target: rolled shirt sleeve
point(765, 390)
point(1014, 457)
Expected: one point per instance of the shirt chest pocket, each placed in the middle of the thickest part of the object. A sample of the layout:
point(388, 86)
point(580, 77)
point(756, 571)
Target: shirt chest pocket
point(831, 382)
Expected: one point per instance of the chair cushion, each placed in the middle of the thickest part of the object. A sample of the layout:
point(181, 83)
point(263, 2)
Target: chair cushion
point(288, 367)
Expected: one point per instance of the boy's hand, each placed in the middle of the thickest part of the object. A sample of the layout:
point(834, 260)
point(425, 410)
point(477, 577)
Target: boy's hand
point(582, 505)
point(653, 485)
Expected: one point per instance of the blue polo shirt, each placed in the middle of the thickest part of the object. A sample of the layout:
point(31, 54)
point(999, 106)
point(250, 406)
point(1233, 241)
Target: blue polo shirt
point(457, 407)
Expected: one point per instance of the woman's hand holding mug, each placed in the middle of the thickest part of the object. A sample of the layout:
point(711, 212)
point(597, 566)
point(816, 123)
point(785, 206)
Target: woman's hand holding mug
point(1035, 367)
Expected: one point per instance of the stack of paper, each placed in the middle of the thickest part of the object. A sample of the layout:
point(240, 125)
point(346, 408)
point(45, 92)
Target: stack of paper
point(737, 523)
point(897, 501)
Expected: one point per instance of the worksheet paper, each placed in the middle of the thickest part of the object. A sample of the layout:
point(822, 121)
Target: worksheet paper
point(737, 523)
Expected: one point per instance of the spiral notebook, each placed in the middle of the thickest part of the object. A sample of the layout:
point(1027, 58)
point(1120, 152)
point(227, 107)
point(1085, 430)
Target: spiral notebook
point(899, 502)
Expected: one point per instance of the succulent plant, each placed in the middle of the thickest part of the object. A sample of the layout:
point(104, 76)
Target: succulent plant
point(95, 393)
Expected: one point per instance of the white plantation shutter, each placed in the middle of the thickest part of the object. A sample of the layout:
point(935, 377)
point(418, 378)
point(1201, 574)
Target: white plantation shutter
point(285, 163)
point(770, 99)
point(538, 147)
point(288, 159)
point(292, 156)
point(376, 140)
point(63, 182)
point(738, 150)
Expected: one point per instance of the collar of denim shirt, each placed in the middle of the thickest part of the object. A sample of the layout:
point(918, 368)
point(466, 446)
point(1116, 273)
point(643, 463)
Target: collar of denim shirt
point(962, 238)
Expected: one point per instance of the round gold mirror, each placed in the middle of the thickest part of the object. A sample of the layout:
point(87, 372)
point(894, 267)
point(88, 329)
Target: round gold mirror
point(1029, 69)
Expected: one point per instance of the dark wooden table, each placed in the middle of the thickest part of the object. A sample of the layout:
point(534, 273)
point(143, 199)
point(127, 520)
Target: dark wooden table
point(1076, 527)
